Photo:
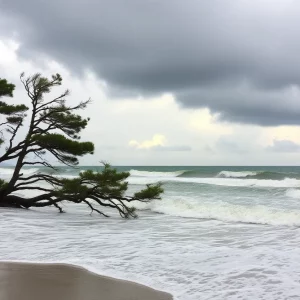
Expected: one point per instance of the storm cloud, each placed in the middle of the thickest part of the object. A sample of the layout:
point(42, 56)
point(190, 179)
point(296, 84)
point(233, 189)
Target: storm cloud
point(238, 58)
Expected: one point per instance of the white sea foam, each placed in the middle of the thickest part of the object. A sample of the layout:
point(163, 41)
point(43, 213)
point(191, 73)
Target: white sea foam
point(233, 182)
point(224, 211)
point(6, 173)
point(10, 171)
point(293, 193)
point(241, 174)
point(65, 176)
point(191, 259)
point(155, 174)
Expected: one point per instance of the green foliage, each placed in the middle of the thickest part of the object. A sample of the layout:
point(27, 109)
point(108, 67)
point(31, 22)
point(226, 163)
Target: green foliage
point(3, 183)
point(14, 120)
point(6, 109)
point(63, 119)
point(58, 142)
point(15, 113)
point(109, 182)
point(72, 187)
point(41, 85)
point(6, 89)
point(152, 191)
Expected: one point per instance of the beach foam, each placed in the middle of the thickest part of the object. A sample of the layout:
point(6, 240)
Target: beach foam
point(223, 211)
point(293, 193)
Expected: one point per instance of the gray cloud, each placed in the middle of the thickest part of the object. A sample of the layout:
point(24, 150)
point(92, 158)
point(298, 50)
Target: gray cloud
point(244, 104)
point(228, 144)
point(238, 58)
point(284, 146)
point(171, 148)
point(208, 149)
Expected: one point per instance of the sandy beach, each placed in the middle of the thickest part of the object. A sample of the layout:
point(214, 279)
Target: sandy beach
point(29, 281)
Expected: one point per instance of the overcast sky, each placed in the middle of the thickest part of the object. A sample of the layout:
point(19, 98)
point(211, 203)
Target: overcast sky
point(173, 82)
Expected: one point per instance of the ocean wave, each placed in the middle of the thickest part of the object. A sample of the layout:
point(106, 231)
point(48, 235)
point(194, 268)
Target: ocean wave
point(231, 182)
point(225, 212)
point(225, 174)
point(257, 175)
point(138, 173)
point(293, 193)
point(10, 171)
point(235, 174)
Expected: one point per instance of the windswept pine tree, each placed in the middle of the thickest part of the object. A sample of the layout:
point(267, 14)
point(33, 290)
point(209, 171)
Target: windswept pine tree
point(14, 115)
point(54, 129)
point(6, 89)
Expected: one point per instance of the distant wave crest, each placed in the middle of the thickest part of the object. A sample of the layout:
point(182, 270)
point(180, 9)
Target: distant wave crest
point(155, 174)
point(231, 174)
point(257, 175)
point(196, 176)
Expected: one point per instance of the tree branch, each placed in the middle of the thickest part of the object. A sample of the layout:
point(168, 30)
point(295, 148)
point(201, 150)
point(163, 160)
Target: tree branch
point(55, 100)
point(33, 188)
point(14, 135)
point(95, 209)
point(61, 109)
point(59, 208)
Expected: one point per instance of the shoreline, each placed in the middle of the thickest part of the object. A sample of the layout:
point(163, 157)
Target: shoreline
point(62, 281)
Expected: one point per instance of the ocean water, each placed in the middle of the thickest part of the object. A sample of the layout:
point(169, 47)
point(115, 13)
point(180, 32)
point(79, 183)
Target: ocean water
point(218, 233)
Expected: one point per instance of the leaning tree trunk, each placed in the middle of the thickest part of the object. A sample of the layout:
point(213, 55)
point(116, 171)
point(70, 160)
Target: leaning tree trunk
point(20, 202)
point(6, 199)
point(12, 201)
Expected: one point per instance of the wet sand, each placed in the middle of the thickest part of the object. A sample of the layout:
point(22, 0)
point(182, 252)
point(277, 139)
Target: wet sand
point(29, 281)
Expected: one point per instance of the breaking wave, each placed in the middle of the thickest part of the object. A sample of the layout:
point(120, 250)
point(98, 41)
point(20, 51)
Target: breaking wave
point(199, 173)
point(232, 182)
point(293, 193)
point(231, 174)
point(225, 212)
point(257, 175)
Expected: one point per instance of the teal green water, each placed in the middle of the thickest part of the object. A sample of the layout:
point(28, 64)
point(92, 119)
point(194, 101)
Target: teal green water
point(263, 195)
point(263, 172)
